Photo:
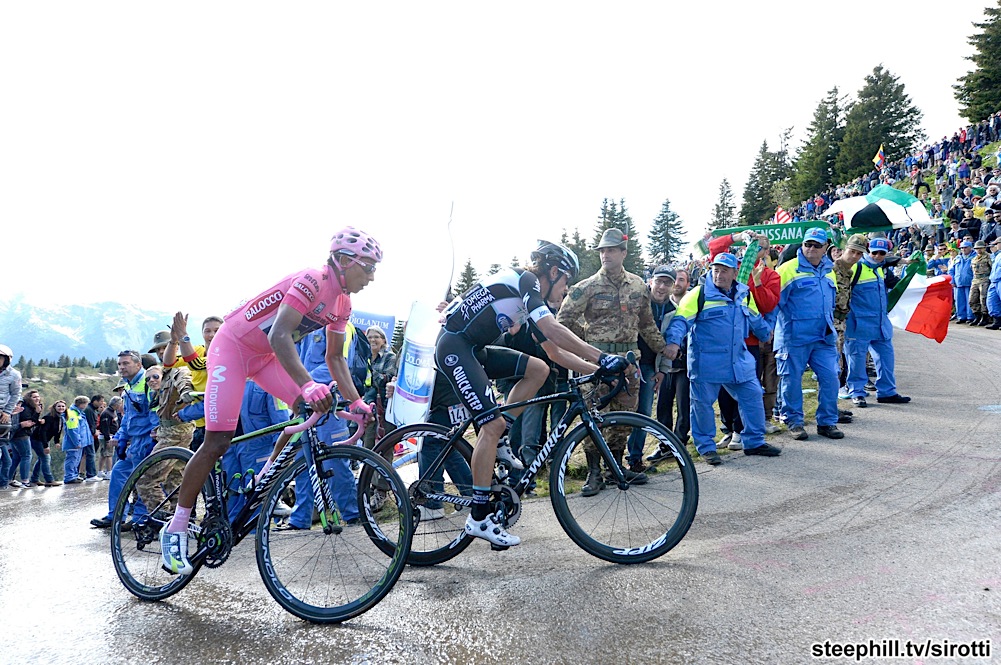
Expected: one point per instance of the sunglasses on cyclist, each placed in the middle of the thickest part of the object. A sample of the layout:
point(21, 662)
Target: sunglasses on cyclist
point(368, 268)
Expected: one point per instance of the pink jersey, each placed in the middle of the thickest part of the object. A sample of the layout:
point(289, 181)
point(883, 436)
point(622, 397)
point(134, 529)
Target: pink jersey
point(314, 293)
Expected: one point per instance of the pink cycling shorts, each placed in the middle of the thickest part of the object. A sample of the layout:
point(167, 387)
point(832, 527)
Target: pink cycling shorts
point(230, 364)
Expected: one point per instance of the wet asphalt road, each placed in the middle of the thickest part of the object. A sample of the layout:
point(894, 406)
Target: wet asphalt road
point(893, 532)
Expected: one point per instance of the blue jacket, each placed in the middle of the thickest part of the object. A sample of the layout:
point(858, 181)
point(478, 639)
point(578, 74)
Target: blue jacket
point(867, 317)
point(806, 303)
point(940, 266)
point(77, 432)
point(996, 269)
point(138, 419)
point(260, 410)
point(962, 270)
point(716, 349)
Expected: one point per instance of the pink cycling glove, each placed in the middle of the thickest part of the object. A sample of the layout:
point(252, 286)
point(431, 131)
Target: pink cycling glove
point(359, 406)
point(314, 392)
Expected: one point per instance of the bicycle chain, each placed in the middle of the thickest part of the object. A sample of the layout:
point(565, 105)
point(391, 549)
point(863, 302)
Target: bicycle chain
point(217, 536)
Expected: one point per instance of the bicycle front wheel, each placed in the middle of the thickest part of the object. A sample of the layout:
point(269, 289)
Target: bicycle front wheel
point(439, 503)
point(146, 504)
point(329, 574)
point(640, 521)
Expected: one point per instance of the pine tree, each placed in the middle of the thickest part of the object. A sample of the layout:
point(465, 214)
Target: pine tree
point(666, 236)
point(398, 331)
point(883, 115)
point(43, 362)
point(467, 279)
point(616, 216)
point(64, 361)
point(814, 170)
point(979, 91)
point(586, 257)
point(66, 377)
point(494, 269)
point(83, 362)
point(769, 168)
point(73, 372)
point(724, 212)
point(20, 364)
point(29, 369)
point(110, 366)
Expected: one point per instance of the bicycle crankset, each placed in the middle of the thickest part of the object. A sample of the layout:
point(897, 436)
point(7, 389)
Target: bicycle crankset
point(217, 536)
point(509, 501)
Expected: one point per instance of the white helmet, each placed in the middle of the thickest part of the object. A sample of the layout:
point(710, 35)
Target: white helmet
point(5, 351)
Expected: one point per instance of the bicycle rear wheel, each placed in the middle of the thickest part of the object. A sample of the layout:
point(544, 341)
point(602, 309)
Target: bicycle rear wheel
point(637, 523)
point(331, 575)
point(439, 531)
point(135, 545)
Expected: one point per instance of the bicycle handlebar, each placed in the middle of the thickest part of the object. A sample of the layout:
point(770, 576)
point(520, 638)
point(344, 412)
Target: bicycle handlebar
point(618, 381)
point(341, 409)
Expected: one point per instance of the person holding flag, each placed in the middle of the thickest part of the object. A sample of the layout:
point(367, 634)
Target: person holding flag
point(880, 159)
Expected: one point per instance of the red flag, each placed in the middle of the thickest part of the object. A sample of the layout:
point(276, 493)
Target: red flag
point(782, 217)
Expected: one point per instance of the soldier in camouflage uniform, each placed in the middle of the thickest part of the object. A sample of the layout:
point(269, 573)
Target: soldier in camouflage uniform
point(981, 282)
point(171, 431)
point(610, 310)
point(856, 246)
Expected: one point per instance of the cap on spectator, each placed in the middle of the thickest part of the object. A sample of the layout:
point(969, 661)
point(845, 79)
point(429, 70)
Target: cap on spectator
point(121, 386)
point(613, 238)
point(858, 242)
point(816, 235)
point(880, 245)
point(160, 340)
point(980, 244)
point(965, 243)
point(725, 259)
point(665, 271)
point(989, 211)
point(996, 241)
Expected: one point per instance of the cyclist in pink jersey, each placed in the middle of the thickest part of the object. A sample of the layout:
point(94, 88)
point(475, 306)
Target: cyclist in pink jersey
point(257, 341)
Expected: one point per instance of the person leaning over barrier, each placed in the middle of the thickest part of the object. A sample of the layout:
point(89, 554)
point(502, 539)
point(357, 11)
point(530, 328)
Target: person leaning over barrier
point(718, 356)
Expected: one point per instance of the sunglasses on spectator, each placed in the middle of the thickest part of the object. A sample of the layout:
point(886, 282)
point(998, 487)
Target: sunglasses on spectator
point(878, 252)
point(154, 376)
point(134, 354)
point(812, 245)
point(368, 268)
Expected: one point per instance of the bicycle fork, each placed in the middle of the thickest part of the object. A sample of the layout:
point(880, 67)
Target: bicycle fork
point(323, 500)
point(606, 453)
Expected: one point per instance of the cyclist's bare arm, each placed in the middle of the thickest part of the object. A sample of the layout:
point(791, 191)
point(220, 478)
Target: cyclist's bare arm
point(561, 336)
point(281, 341)
point(338, 365)
point(566, 359)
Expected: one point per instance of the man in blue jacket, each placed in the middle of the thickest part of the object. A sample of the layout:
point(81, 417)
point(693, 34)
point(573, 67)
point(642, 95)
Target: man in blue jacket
point(77, 436)
point(869, 328)
point(718, 358)
point(133, 440)
point(805, 335)
point(961, 271)
point(994, 291)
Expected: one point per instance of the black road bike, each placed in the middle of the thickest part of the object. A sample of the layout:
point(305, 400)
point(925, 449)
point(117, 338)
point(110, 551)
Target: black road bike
point(328, 573)
point(628, 522)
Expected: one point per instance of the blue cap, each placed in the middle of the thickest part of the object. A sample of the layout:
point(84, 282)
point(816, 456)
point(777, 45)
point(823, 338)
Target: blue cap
point(816, 235)
point(880, 245)
point(966, 243)
point(725, 259)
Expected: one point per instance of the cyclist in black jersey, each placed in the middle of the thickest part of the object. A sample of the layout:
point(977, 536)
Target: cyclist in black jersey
point(498, 304)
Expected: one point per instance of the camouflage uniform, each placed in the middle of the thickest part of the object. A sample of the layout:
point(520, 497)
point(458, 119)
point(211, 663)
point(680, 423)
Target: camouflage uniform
point(981, 282)
point(843, 277)
point(611, 313)
point(166, 476)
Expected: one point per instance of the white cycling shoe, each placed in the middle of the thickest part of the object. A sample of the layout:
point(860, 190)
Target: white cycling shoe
point(489, 529)
point(174, 552)
point(506, 454)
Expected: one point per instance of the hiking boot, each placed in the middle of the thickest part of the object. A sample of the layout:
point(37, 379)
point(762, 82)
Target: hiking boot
point(712, 457)
point(594, 483)
point(830, 431)
point(631, 477)
point(844, 419)
point(859, 402)
point(735, 442)
point(637, 467)
point(798, 433)
point(174, 552)
point(490, 529)
point(984, 321)
point(996, 325)
point(893, 399)
point(506, 454)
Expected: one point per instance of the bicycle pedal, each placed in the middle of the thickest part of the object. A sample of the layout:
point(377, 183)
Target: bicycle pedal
point(499, 548)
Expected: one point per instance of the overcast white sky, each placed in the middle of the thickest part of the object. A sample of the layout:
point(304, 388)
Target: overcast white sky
point(223, 143)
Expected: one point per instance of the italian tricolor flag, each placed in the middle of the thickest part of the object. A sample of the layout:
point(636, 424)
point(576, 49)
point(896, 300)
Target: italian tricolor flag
point(921, 304)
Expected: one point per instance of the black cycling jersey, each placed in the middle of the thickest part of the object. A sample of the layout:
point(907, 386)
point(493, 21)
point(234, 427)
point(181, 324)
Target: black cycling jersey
point(498, 303)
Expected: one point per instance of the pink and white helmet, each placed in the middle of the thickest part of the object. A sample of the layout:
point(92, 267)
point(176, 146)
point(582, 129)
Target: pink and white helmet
point(353, 242)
